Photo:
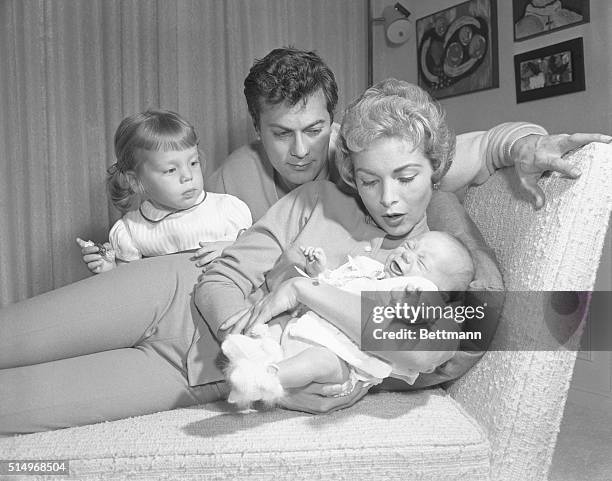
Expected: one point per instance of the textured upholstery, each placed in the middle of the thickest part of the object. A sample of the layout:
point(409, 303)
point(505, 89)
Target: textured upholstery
point(499, 421)
point(424, 436)
point(516, 394)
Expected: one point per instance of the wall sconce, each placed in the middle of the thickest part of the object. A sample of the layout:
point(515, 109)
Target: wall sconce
point(397, 26)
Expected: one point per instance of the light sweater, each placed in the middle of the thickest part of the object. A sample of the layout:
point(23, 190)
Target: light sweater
point(150, 231)
point(248, 174)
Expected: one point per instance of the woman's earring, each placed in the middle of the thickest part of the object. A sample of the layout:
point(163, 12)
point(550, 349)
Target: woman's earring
point(435, 186)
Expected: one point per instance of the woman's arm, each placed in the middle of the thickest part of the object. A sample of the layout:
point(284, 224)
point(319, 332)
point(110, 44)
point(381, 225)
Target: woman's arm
point(326, 300)
point(344, 310)
point(225, 286)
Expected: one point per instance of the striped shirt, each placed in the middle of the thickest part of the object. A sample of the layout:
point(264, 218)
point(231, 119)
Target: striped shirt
point(218, 217)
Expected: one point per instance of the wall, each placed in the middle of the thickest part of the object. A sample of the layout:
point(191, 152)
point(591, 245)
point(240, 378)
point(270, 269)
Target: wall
point(557, 114)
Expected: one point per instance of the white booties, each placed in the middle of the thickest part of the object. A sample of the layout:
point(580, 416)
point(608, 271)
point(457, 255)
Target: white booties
point(251, 372)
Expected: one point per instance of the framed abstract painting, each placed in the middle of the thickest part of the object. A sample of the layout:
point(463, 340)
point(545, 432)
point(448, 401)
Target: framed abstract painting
point(457, 49)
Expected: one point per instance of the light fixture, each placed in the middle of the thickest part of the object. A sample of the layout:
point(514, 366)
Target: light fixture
point(397, 30)
point(397, 23)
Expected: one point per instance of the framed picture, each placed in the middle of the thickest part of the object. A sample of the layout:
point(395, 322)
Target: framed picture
point(539, 17)
point(457, 49)
point(549, 71)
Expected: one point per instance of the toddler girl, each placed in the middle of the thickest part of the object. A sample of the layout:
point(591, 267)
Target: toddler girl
point(157, 184)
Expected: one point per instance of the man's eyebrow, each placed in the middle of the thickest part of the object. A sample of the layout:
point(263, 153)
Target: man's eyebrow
point(309, 126)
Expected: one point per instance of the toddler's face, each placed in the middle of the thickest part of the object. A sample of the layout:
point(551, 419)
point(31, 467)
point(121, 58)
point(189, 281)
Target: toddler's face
point(431, 255)
point(172, 179)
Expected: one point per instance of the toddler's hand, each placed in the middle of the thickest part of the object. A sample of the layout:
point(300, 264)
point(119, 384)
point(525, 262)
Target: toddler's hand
point(98, 257)
point(209, 251)
point(316, 260)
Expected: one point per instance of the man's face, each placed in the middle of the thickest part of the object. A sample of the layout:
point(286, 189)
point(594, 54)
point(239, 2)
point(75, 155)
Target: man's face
point(296, 138)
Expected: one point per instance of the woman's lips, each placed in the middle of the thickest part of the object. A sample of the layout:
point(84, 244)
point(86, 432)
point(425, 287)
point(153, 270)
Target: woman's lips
point(393, 220)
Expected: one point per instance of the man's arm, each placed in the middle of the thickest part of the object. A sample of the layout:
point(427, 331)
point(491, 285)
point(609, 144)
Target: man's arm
point(479, 154)
point(526, 147)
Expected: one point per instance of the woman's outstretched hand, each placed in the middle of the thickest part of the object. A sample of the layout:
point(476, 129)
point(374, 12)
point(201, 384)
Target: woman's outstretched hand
point(534, 154)
point(283, 298)
point(315, 398)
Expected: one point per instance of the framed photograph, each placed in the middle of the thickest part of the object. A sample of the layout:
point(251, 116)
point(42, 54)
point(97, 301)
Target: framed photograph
point(539, 17)
point(549, 71)
point(457, 49)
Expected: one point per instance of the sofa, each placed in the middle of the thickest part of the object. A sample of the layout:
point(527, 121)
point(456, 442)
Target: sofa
point(498, 422)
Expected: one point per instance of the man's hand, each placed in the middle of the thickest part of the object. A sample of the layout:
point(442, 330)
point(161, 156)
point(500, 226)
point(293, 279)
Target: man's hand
point(533, 154)
point(209, 251)
point(99, 258)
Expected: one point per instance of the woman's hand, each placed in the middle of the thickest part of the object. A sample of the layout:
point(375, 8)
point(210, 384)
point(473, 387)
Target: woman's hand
point(284, 298)
point(534, 154)
point(314, 398)
point(209, 251)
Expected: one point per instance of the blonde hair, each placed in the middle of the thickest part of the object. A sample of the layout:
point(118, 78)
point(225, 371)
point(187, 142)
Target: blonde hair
point(154, 130)
point(395, 109)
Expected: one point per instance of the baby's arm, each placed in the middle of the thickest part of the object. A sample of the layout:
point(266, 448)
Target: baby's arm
point(315, 364)
point(316, 260)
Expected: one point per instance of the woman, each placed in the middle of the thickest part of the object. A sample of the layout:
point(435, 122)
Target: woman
point(131, 342)
point(396, 147)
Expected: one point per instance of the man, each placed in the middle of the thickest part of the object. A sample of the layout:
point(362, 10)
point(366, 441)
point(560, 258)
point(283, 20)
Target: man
point(291, 96)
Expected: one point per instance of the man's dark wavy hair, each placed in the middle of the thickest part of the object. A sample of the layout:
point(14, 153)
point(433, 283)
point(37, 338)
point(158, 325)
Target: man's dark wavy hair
point(288, 75)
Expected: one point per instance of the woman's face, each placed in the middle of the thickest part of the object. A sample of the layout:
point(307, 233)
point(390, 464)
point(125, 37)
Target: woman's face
point(394, 182)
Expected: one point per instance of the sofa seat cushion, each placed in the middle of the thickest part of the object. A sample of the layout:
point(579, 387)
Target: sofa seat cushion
point(422, 435)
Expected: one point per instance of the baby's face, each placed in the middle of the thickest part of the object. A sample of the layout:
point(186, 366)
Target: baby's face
point(432, 255)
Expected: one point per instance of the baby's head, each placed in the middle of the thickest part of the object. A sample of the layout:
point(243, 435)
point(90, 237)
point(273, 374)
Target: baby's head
point(157, 160)
point(436, 256)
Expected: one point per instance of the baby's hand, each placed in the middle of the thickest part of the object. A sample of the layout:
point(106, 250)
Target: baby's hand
point(98, 257)
point(316, 260)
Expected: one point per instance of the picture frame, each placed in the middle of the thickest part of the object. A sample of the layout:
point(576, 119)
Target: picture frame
point(457, 50)
point(532, 18)
point(549, 71)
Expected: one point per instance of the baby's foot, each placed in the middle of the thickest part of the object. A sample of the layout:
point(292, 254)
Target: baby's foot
point(316, 260)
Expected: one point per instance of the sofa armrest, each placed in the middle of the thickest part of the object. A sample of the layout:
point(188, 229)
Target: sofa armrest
point(518, 390)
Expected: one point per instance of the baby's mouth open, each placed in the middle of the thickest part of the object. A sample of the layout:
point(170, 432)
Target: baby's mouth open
point(395, 269)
